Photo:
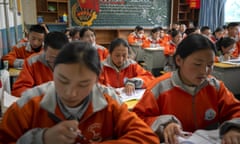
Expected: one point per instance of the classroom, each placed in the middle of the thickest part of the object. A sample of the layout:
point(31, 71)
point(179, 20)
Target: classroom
point(120, 71)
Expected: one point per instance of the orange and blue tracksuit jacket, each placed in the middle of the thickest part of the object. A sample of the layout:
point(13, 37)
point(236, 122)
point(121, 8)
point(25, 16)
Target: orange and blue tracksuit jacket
point(35, 72)
point(130, 72)
point(134, 39)
point(102, 52)
point(169, 48)
point(18, 53)
point(102, 120)
point(150, 42)
point(236, 52)
point(206, 106)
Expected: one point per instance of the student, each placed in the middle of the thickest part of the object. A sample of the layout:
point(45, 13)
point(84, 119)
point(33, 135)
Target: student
point(154, 39)
point(87, 34)
point(73, 110)
point(23, 50)
point(233, 32)
point(225, 48)
point(176, 38)
point(217, 34)
point(170, 48)
point(182, 30)
point(74, 34)
point(206, 31)
point(120, 71)
point(37, 69)
point(137, 37)
point(197, 99)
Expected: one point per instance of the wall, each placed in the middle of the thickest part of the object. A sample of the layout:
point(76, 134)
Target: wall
point(6, 43)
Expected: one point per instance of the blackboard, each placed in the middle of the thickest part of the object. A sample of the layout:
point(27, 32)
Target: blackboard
point(121, 13)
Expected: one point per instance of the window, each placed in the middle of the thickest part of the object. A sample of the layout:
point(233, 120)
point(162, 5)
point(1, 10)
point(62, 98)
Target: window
point(232, 11)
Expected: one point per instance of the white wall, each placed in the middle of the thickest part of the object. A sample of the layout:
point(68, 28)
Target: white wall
point(10, 15)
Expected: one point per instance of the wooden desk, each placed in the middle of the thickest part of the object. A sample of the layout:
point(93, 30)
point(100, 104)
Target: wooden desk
point(131, 104)
point(14, 72)
point(229, 74)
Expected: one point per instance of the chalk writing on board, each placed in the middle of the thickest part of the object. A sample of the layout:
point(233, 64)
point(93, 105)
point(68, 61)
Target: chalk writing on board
point(128, 13)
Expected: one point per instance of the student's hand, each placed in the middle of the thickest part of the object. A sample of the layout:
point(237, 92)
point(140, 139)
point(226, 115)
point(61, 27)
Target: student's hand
point(129, 89)
point(227, 56)
point(171, 131)
point(65, 132)
point(231, 137)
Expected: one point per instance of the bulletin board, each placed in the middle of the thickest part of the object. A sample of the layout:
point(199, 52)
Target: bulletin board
point(120, 13)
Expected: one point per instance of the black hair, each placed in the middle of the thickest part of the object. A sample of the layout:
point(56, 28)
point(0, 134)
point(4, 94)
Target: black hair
point(156, 29)
point(193, 43)
point(37, 28)
point(218, 29)
point(189, 31)
point(224, 42)
point(117, 42)
point(79, 52)
point(55, 40)
point(204, 28)
point(175, 33)
point(84, 29)
point(232, 24)
point(74, 31)
point(139, 28)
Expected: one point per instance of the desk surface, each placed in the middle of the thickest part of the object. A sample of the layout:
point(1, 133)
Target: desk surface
point(131, 104)
point(226, 65)
point(14, 72)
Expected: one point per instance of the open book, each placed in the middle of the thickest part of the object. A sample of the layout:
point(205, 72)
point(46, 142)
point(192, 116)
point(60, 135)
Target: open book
point(232, 61)
point(134, 96)
point(202, 137)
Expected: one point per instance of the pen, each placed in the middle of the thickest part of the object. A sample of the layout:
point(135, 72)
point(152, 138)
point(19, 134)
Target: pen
point(185, 133)
point(79, 134)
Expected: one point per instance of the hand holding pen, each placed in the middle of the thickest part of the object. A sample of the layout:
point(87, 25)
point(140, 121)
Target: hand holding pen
point(171, 132)
point(64, 132)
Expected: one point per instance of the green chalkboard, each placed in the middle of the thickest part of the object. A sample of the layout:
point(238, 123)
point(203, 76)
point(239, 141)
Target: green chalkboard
point(120, 13)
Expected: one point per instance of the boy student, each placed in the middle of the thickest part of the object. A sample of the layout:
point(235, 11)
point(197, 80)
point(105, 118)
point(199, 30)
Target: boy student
point(233, 32)
point(23, 50)
point(37, 69)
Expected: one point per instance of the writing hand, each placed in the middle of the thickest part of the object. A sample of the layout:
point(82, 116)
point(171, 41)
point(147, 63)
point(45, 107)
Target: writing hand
point(171, 131)
point(65, 132)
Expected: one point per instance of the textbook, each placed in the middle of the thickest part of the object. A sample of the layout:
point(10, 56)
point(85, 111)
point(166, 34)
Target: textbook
point(201, 137)
point(232, 61)
point(134, 96)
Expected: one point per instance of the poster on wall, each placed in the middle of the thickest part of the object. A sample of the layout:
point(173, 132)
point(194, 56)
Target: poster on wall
point(120, 13)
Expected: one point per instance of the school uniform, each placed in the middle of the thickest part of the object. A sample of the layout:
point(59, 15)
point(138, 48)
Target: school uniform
point(18, 53)
point(102, 52)
point(202, 107)
point(100, 119)
point(150, 42)
point(134, 39)
point(35, 71)
point(131, 72)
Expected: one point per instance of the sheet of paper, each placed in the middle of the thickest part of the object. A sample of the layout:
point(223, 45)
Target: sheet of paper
point(134, 96)
point(7, 101)
point(232, 61)
point(201, 137)
point(154, 48)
